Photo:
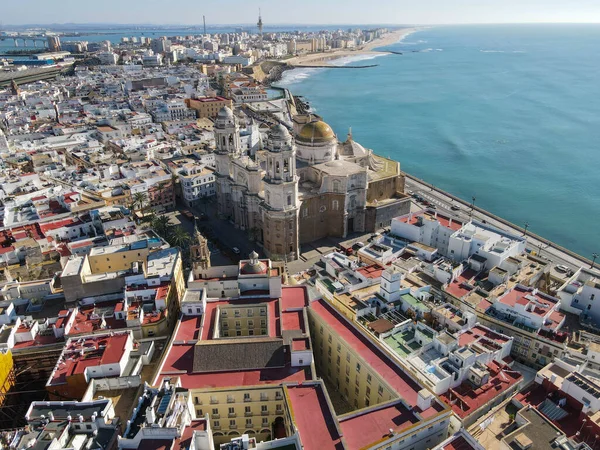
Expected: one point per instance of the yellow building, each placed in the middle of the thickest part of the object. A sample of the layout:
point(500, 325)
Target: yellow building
point(116, 258)
point(246, 320)
point(260, 411)
point(208, 106)
point(7, 375)
point(344, 369)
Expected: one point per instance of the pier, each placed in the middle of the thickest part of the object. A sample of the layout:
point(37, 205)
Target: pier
point(329, 66)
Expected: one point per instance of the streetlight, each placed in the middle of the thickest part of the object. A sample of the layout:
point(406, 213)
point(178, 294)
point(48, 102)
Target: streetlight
point(526, 226)
point(594, 256)
point(472, 205)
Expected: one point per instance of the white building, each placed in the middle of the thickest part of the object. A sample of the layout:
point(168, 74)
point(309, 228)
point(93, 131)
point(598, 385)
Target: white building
point(487, 246)
point(428, 228)
point(578, 294)
point(108, 58)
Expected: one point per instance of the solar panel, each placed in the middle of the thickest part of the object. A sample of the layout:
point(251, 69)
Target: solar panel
point(164, 403)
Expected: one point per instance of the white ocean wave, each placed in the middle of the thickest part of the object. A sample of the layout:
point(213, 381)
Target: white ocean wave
point(354, 58)
point(296, 76)
point(420, 41)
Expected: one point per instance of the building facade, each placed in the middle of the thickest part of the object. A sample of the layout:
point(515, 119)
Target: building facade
point(305, 187)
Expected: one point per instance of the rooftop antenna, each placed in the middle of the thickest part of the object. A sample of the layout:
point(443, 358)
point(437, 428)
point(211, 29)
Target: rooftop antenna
point(260, 26)
point(204, 20)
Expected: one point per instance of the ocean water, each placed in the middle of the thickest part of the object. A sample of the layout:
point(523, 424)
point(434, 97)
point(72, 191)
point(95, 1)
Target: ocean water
point(507, 113)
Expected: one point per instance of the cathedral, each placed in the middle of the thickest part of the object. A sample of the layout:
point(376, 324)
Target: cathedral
point(303, 187)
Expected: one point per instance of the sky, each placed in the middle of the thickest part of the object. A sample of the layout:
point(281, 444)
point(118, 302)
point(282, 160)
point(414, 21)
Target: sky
point(189, 12)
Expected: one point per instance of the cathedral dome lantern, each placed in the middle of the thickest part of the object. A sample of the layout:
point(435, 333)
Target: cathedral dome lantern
point(279, 139)
point(227, 132)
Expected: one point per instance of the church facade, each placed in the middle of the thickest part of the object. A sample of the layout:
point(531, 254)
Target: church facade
point(305, 187)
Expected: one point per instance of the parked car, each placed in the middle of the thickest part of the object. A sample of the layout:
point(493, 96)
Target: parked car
point(235, 250)
point(455, 208)
point(562, 268)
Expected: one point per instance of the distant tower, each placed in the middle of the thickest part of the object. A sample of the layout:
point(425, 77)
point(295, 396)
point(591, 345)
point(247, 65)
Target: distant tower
point(260, 26)
point(200, 254)
point(204, 20)
point(14, 87)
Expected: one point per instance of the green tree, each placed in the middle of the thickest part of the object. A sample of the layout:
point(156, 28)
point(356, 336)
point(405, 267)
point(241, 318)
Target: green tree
point(162, 226)
point(179, 238)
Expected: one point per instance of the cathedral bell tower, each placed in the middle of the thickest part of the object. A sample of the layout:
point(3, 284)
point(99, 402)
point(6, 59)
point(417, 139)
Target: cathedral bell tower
point(199, 252)
point(280, 210)
point(228, 147)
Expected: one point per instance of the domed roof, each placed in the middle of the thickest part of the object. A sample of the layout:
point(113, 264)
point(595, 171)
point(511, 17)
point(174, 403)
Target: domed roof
point(316, 131)
point(225, 113)
point(279, 132)
point(254, 265)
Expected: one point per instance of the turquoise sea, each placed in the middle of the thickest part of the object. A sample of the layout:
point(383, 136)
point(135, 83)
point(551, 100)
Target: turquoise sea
point(507, 113)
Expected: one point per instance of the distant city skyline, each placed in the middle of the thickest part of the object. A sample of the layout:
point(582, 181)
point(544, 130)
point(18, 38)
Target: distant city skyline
point(190, 12)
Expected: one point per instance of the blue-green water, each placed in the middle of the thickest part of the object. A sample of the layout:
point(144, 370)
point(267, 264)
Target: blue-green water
point(510, 114)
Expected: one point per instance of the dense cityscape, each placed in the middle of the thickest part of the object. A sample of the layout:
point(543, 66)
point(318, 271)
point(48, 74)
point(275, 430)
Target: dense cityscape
point(191, 258)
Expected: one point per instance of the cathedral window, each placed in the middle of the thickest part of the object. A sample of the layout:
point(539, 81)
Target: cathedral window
point(335, 205)
point(289, 200)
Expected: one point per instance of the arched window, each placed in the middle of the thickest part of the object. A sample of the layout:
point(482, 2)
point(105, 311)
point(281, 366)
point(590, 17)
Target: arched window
point(336, 185)
point(335, 205)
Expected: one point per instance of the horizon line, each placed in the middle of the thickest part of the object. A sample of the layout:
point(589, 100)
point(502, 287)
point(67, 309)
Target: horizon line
point(280, 24)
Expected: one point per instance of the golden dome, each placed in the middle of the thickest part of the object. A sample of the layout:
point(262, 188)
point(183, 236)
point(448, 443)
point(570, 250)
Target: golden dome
point(316, 131)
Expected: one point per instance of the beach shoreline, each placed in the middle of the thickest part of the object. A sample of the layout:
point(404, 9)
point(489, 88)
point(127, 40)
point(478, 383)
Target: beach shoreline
point(323, 59)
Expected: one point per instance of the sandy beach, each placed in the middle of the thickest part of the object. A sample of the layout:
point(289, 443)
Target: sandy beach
point(323, 59)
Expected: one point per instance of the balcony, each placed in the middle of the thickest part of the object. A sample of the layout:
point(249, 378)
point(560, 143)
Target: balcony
point(230, 400)
point(248, 414)
point(279, 411)
point(247, 399)
point(215, 416)
point(264, 413)
point(214, 402)
point(232, 415)
point(216, 427)
point(233, 427)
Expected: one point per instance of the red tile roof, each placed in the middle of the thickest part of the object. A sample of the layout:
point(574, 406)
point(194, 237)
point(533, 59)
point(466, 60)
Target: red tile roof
point(180, 361)
point(373, 271)
point(464, 399)
point(313, 418)
point(365, 429)
point(98, 350)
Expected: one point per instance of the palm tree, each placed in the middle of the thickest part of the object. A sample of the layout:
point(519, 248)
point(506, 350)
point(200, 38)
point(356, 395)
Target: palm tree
point(140, 199)
point(179, 238)
point(161, 225)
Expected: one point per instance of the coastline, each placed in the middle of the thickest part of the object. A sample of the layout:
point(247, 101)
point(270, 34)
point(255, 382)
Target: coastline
point(323, 59)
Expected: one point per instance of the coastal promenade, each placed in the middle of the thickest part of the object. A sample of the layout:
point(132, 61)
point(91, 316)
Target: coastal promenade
point(443, 201)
